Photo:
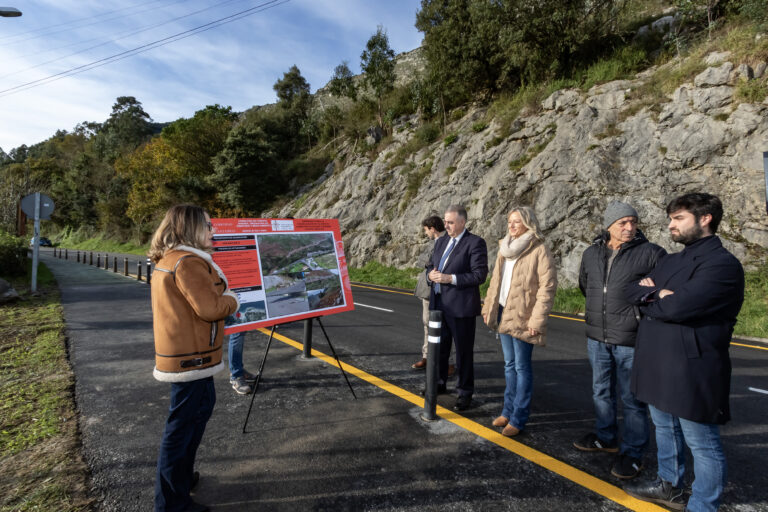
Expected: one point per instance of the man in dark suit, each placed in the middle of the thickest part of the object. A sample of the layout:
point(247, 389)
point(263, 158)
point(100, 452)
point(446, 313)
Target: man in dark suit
point(682, 368)
point(459, 266)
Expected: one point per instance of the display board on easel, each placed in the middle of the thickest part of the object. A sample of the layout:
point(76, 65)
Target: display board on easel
point(282, 270)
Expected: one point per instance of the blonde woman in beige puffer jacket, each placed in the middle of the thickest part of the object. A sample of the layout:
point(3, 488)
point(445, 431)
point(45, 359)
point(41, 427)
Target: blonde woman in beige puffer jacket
point(517, 306)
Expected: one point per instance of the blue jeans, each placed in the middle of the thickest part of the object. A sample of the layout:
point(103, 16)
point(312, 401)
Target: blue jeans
point(518, 374)
point(612, 372)
point(709, 466)
point(191, 407)
point(235, 351)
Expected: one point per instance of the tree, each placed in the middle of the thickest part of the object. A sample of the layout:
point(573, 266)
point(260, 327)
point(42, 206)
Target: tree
point(378, 64)
point(128, 127)
point(295, 100)
point(193, 143)
point(342, 82)
point(247, 175)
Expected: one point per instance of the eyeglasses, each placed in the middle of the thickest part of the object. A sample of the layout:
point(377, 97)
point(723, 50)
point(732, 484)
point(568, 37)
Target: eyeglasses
point(210, 226)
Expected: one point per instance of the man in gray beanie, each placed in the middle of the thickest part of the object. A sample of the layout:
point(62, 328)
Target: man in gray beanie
point(619, 255)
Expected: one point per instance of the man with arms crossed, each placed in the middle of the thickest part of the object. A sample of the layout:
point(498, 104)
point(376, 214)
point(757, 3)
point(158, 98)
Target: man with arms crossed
point(620, 255)
point(458, 267)
point(682, 368)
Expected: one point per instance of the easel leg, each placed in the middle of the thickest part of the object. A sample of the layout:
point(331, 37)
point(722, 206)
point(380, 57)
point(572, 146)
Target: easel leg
point(337, 357)
point(258, 376)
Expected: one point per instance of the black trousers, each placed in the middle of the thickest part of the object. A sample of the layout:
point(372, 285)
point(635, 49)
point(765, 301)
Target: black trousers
point(459, 331)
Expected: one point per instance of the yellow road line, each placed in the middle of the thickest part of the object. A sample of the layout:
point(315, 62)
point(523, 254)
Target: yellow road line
point(551, 315)
point(382, 289)
point(577, 476)
point(748, 346)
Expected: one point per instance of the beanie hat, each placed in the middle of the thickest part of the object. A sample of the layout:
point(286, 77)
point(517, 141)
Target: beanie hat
point(617, 210)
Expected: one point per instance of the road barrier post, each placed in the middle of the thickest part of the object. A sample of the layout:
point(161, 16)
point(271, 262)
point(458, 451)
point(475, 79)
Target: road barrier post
point(114, 264)
point(433, 360)
point(54, 252)
point(91, 258)
point(149, 270)
point(106, 261)
point(125, 266)
point(307, 354)
point(66, 254)
point(138, 270)
point(98, 260)
point(78, 256)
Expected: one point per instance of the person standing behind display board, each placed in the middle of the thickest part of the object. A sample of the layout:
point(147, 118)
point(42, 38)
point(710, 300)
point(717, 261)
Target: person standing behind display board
point(458, 267)
point(433, 229)
point(517, 306)
point(190, 299)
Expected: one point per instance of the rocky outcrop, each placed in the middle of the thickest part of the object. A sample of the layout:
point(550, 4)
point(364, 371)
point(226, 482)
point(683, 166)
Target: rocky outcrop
point(568, 160)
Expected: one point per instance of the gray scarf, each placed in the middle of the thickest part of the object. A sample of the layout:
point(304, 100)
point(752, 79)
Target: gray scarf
point(512, 248)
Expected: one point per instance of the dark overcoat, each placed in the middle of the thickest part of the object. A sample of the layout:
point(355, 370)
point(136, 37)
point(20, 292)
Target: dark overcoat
point(681, 361)
point(468, 261)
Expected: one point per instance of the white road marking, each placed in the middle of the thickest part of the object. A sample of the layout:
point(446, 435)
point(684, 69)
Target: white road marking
point(374, 307)
point(757, 390)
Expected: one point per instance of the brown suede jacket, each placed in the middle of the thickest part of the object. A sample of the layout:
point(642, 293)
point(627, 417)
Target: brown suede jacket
point(190, 300)
point(531, 294)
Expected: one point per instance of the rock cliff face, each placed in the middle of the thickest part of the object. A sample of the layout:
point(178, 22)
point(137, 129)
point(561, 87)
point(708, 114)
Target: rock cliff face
point(568, 160)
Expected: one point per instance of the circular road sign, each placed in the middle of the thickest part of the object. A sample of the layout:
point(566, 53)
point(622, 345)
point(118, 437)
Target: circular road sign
point(46, 206)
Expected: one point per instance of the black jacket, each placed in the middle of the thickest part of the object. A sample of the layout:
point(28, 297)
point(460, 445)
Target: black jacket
point(608, 315)
point(681, 361)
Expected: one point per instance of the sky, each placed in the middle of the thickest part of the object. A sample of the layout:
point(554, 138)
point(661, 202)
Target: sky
point(233, 64)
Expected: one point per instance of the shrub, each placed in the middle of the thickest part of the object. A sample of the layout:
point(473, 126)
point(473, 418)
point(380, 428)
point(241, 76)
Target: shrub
point(13, 255)
point(752, 91)
point(450, 139)
point(428, 133)
point(479, 126)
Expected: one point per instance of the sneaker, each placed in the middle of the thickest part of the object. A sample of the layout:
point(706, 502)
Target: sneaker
point(240, 385)
point(249, 377)
point(626, 467)
point(658, 491)
point(592, 443)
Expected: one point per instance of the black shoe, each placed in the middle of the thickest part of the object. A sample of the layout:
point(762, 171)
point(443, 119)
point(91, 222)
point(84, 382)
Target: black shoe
point(658, 491)
point(463, 403)
point(441, 390)
point(196, 507)
point(626, 467)
point(592, 443)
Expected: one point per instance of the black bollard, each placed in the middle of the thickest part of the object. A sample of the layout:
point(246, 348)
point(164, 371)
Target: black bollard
point(307, 354)
point(138, 270)
point(66, 254)
point(149, 271)
point(125, 266)
point(54, 252)
point(114, 264)
point(433, 361)
point(78, 256)
point(98, 261)
point(106, 262)
point(91, 258)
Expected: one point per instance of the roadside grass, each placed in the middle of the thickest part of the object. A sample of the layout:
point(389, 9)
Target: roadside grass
point(752, 321)
point(40, 457)
point(88, 241)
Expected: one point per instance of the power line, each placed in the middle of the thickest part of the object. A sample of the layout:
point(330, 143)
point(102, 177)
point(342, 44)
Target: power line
point(70, 22)
point(44, 34)
point(143, 48)
point(144, 29)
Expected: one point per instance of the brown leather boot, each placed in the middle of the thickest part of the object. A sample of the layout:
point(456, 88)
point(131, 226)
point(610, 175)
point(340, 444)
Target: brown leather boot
point(420, 364)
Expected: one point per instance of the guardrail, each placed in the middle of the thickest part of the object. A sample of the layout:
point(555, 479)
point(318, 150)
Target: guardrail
point(142, 273)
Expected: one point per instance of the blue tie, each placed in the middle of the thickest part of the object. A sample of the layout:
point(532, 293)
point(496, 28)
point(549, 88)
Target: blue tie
point(442, 261)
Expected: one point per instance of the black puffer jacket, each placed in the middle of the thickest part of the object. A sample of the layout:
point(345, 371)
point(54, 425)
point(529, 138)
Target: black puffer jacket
point(609, 317)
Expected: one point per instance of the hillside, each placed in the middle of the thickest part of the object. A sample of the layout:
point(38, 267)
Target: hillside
point(566, 156)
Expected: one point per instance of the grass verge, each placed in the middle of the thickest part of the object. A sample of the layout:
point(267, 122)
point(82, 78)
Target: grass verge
point(40, 456)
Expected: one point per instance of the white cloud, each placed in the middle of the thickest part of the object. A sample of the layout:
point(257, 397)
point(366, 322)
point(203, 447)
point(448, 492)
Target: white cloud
point(235, 64)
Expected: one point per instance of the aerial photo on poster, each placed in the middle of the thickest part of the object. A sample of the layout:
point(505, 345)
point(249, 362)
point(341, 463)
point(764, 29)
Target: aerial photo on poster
point(282, 270)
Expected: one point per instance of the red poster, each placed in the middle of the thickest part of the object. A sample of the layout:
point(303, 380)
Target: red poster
point(282, 270)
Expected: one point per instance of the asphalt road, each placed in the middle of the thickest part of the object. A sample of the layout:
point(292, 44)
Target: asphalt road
point(310, 445)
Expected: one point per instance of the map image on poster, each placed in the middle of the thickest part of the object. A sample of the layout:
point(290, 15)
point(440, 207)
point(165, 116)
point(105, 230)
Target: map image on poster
point(282, 269)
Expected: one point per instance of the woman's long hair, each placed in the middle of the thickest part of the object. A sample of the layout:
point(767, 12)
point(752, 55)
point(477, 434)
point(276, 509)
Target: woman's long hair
point(183, 224)
point(528, 217)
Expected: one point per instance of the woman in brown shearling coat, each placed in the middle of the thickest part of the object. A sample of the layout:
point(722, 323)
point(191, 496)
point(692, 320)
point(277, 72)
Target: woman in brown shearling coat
point(190, 300)
point(517, 306)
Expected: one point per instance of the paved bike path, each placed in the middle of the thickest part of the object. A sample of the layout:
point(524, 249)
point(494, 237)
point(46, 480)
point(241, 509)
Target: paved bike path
point(309, 444)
